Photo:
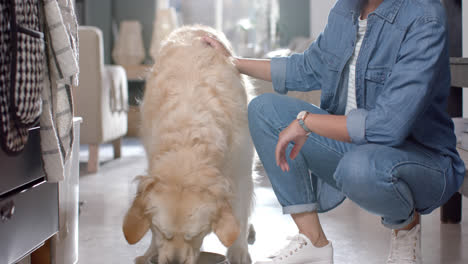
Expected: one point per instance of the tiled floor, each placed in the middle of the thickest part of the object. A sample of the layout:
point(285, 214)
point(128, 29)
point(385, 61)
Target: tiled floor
point(358, 236)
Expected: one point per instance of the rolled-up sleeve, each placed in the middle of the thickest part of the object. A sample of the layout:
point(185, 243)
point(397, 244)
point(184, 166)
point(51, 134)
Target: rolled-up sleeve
point(356, 125)
point(408, 91)
point(278, 74)
point(298, 72)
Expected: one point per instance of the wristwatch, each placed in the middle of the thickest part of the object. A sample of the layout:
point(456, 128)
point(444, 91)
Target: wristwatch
point(301, 118)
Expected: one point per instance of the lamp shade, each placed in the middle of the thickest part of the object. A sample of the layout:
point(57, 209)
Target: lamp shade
point(129, 49)
point(164, 24)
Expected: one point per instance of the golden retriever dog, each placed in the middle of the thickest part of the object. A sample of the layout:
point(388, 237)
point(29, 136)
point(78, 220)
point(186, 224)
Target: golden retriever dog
point(195, 134)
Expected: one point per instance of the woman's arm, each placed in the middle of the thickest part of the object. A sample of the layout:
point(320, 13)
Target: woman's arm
point(298, 72)
point(259, 69)
point(330, 126)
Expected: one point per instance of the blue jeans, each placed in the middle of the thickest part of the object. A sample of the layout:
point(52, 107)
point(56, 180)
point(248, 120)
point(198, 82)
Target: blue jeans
point(387, 181)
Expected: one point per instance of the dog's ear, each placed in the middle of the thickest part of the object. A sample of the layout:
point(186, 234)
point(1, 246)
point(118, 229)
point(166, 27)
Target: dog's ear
point(136, 224)
point(226, 227)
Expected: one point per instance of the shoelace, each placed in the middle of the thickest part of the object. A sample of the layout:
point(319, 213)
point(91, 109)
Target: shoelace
point(297, 243)
point(285, 248)
point(403, 250)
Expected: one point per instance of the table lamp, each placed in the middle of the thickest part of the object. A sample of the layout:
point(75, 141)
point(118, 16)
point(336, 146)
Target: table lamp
point(129, 49)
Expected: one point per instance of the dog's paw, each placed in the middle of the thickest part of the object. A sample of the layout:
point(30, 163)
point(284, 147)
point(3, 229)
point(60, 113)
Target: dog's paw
point(239, 256)
point(252, 235)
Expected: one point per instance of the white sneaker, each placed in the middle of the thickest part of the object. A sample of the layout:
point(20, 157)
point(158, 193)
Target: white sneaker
point(301, 251)
point(279, 252)
point(405, 247)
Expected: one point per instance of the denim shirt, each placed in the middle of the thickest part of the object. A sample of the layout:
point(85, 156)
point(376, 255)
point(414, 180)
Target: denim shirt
point(402, 77)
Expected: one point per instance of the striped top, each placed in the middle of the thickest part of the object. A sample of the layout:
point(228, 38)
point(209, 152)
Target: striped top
point(351, 102)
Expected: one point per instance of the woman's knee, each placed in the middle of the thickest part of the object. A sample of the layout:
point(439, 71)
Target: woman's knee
point(262, 112)
point(259, 104)
point(260, 117)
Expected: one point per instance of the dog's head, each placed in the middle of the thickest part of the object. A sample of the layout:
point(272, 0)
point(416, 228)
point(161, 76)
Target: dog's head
point(180, 216)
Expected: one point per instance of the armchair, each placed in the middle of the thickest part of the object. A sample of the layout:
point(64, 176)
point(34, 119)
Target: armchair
point(101, 97)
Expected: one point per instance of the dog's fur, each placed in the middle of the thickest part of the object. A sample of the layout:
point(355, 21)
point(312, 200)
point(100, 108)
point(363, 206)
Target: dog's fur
point(195, 133)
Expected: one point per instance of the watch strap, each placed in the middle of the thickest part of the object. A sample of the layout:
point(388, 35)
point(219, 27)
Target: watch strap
point(303, 125)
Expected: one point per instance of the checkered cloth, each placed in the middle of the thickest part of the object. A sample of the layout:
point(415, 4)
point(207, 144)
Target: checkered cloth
point(29, 76)
point(36, 79)
point(62, 74)
point(21, 71)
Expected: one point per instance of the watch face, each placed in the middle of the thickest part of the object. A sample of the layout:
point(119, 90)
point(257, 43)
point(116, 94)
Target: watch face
point(301, 115)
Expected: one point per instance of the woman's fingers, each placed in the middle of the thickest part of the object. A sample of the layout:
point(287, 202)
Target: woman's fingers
point(210, 41)
point(214, 43)
point(290, 134)
point(298, 144)
point(280, 152)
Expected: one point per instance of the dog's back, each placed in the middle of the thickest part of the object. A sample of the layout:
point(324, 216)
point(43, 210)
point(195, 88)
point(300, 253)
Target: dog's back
point(195, 98)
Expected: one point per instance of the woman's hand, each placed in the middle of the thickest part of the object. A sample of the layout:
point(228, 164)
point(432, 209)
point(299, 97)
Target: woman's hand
point(295, 133)
point(217, 45)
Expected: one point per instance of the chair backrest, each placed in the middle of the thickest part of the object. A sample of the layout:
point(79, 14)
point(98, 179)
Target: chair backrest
point(91, 56)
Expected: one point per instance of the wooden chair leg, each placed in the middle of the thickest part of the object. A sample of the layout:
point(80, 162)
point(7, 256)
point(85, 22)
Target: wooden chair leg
point(93, 161)
point(117, 148)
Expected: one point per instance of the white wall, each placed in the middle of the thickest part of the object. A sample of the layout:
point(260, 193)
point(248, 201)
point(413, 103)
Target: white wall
point(319, 10)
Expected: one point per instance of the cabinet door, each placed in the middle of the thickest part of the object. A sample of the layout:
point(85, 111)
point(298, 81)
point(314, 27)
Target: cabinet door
point(16, 171)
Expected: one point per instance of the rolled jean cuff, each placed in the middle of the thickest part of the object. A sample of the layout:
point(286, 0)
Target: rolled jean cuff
point(398, 225)
point(300, 208)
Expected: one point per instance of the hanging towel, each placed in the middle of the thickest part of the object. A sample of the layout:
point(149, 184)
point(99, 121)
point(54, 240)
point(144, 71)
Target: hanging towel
point(57, 116)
